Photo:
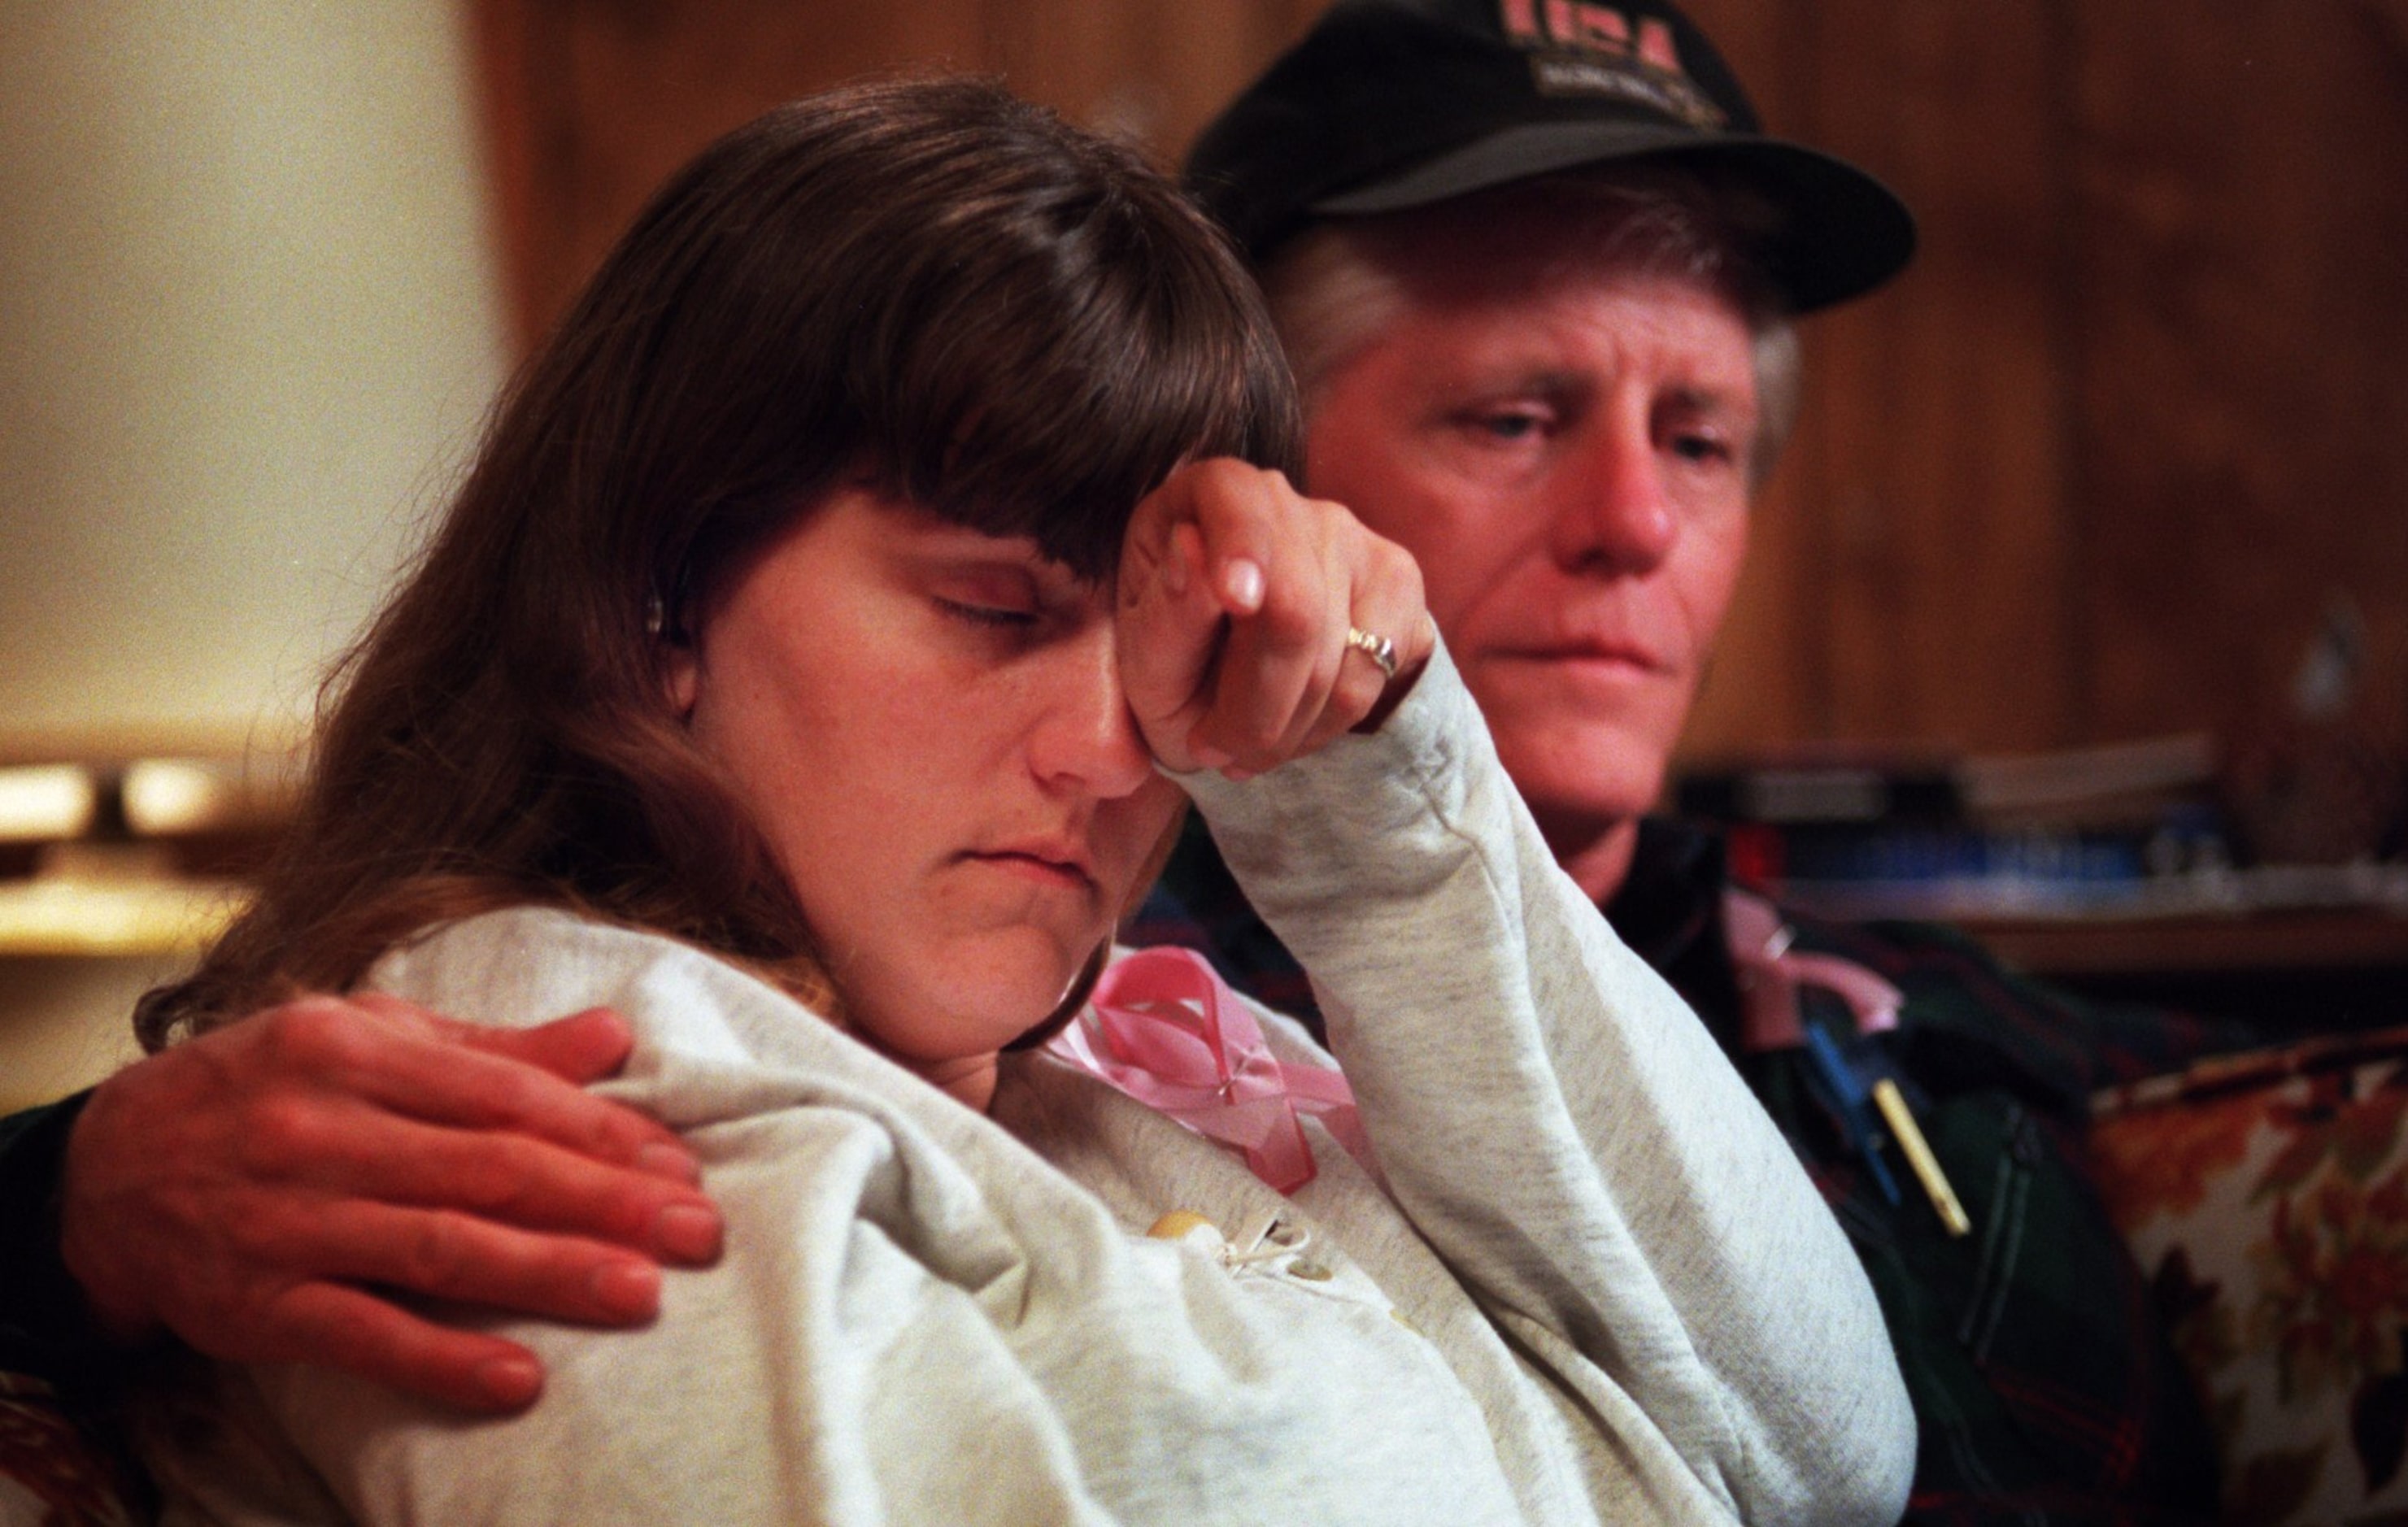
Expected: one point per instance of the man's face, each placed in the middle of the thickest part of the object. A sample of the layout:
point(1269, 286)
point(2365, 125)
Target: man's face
point(1566, 454)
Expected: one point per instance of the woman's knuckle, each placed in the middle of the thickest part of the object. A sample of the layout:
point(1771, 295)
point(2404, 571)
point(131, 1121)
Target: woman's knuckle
point(1290, 615)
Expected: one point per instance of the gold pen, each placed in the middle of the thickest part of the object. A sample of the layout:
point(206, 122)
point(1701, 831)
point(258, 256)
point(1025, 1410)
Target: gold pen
point(1910, 1139)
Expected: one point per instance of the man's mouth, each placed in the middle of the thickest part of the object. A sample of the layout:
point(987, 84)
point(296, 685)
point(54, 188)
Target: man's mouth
point(1603, 655)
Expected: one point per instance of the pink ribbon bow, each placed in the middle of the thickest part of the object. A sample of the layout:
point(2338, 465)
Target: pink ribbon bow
point(1164, 1030)
point(1770, 973)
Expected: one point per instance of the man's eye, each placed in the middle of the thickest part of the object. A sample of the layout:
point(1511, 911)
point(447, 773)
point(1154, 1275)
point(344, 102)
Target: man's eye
point(988, 615)
point(1509, 423)
point(1702, 448)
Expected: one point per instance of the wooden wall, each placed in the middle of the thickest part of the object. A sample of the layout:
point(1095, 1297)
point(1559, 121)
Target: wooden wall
point(2096, 468)
point(2099, 465)
point(592, 103)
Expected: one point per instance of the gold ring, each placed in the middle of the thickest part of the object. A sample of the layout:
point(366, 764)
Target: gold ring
point(1380, 649)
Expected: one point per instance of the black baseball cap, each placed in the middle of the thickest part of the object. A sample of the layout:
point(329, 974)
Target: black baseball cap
point(1394, 104)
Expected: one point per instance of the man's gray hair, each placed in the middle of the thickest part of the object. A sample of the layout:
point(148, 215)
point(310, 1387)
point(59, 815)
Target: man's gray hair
point(1333, 287)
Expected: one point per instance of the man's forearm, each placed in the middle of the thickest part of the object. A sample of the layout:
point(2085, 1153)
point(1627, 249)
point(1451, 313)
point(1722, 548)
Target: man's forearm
point(39, 1303)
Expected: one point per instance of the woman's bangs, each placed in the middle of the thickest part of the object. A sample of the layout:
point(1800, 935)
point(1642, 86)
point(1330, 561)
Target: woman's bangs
point(1050, 419)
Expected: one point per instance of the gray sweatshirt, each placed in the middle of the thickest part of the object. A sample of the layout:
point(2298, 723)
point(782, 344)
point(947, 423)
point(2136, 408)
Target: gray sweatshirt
point(1584, 1279)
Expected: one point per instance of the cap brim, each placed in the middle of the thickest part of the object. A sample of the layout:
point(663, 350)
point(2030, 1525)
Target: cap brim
point(1841, 232)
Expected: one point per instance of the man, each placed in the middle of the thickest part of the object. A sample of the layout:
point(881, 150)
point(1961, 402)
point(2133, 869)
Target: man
point(1535, 267)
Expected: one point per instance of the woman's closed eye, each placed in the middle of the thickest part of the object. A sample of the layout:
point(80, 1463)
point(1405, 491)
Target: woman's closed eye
point(993, 616)
point(986, 593)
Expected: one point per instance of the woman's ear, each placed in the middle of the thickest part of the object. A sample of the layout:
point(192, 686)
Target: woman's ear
point(681, 677)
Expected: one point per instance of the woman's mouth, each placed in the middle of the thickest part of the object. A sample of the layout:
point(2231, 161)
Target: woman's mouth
point(1052, 866)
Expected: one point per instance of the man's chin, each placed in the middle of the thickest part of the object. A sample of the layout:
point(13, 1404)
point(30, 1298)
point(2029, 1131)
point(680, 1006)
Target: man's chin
point(1586, 783)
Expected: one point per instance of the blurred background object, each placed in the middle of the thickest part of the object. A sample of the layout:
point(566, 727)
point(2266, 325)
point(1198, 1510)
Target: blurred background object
point(249, 322)
point(113, 876)
point(2322, 781)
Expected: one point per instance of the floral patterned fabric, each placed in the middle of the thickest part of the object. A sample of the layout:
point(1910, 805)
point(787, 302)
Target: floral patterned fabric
point(2267, 1197)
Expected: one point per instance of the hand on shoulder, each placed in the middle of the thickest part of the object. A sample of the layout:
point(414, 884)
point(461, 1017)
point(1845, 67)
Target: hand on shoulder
point(251, 1189)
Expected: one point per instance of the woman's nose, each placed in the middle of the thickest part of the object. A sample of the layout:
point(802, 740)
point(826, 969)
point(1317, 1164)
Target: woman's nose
point(1085, 736)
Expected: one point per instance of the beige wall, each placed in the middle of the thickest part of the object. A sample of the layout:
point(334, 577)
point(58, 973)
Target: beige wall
point(247, 326)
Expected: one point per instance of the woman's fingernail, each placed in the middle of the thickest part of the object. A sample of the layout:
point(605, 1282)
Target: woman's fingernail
point(628, 1291)
point(1242, 584)
point(688, 1233)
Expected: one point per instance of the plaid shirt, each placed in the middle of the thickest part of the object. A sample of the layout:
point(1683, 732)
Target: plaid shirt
point(2041, 1381)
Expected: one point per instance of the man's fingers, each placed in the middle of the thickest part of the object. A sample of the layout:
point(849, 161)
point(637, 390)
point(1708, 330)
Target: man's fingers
point(504, 1177)
point(445, 1254)
point(253, 1171)
point(581, 1049)
point(432, 1069)
point(342, 1327)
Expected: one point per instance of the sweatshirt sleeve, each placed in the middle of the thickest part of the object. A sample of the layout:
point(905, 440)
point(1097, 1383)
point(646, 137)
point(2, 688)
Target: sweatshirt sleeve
point(1559, 1126)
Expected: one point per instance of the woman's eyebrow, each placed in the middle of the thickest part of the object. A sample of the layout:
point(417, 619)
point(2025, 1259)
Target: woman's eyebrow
point(958, 550)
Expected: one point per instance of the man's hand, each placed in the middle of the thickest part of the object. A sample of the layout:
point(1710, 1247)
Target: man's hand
point(1236, 597)
point(251, 1189)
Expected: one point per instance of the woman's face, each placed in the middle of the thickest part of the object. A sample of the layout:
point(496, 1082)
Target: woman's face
point(927, 726)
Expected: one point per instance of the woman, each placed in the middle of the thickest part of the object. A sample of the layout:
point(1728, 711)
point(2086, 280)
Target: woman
point(798, 673)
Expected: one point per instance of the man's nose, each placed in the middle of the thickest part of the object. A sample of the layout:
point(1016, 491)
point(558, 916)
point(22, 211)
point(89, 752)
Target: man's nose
point(1613, 511)
point(1086, 737)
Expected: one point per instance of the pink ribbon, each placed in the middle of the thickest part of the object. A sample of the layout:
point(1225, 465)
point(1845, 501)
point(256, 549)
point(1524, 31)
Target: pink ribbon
point(1770, 973)
point(1163, 1029)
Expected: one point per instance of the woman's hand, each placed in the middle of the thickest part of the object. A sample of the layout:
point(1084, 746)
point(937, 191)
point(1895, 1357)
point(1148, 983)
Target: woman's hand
point(1238, 597)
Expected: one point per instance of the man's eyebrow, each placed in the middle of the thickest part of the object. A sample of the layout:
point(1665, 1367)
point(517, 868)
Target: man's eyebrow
point(1545, 381)
point(1709, 400)
point(1562, 383)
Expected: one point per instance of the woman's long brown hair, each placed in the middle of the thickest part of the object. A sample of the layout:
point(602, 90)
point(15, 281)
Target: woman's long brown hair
point(925, 285)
